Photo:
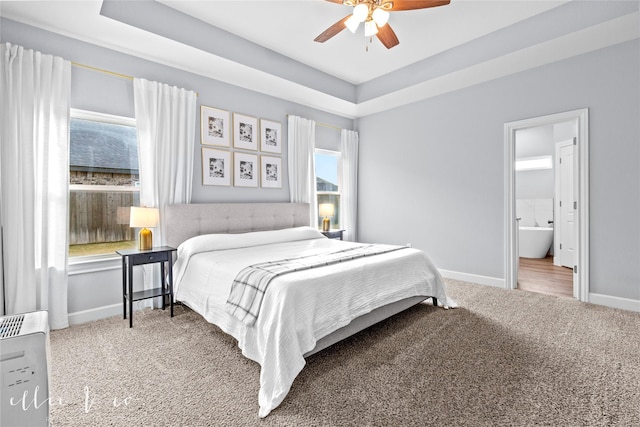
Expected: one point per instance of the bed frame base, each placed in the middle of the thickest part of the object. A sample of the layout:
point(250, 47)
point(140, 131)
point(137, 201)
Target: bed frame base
point(360, 323)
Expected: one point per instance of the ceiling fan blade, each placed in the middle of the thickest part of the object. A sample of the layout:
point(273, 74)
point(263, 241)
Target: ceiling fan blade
point(332, 30)
point(416, 4)
point(387, 36)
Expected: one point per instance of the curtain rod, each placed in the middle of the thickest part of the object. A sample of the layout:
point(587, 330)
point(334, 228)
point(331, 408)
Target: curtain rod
point(325, 125)
point(111, 73)
point(100, 70)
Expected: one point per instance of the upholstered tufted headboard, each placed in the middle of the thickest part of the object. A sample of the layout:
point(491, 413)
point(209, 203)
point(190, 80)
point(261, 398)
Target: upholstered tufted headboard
point(186, 221)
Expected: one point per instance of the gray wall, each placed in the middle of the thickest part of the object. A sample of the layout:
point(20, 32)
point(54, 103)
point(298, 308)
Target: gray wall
point(432, 173)
point(95, 91)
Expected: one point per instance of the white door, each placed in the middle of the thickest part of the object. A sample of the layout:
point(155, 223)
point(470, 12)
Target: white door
point(564, 222)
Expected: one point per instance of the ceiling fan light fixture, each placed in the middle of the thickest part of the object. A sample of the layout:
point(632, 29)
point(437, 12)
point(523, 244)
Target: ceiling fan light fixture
point(352, 23)
point(360, 12)
point(381, 17)
point(375, 16)
point(370, 28)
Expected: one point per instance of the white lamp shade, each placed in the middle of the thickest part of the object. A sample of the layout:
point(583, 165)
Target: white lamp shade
point(143, 217)
point(381, 17)
point(326, 209)
point(360, 12)
point(352, 23)
point(370, 29)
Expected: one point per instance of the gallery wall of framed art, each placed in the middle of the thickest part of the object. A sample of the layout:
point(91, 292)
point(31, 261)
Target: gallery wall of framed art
point(240, 150)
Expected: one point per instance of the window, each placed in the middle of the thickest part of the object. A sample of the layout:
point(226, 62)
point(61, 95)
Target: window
point(328, 176)
point(534, 163)
point(103, 183)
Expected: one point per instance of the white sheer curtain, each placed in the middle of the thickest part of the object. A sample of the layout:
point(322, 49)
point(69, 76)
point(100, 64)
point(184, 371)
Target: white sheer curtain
point(301, 160)
point(349, 211)
point(166, 123)
point(34, 181)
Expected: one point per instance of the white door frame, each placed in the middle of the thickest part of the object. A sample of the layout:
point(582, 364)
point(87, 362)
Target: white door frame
point(581, 272)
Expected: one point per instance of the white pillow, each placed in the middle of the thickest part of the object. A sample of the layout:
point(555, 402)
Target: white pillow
point(214, 242)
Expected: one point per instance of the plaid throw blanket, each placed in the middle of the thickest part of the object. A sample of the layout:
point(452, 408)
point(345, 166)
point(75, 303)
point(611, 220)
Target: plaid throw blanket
point(251, 283)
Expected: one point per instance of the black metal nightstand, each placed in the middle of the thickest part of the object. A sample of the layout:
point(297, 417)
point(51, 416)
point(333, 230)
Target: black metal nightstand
point(333, 234)
point(133, 257)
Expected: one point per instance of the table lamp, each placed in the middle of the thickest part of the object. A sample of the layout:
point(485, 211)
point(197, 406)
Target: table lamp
point(142, 217)
point(326, 210)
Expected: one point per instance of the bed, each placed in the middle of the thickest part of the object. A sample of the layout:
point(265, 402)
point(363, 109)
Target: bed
point(303, 310)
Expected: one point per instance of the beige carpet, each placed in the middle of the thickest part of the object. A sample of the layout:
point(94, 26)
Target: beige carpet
point(504, 358)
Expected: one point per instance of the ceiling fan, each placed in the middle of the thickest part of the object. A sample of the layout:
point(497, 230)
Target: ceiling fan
point(375, 14)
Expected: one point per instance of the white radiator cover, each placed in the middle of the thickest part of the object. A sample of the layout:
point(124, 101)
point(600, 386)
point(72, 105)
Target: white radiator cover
point(24, 367)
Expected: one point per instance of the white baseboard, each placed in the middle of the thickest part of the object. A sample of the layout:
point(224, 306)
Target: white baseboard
point(615, 302)
point(598, 299)
point(98, 313)
point(95, 314)
point(474, 278)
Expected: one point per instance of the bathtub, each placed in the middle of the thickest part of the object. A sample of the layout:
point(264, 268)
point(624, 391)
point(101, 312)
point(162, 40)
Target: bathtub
point(534, 242)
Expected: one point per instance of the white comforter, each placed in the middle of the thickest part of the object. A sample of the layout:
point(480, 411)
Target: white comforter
point(298, 308)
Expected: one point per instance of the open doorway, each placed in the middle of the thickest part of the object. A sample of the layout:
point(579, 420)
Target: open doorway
point(546, 202)
point(543, 180)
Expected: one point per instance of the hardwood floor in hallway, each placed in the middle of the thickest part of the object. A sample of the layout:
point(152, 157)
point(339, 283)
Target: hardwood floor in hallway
point(540, 275)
